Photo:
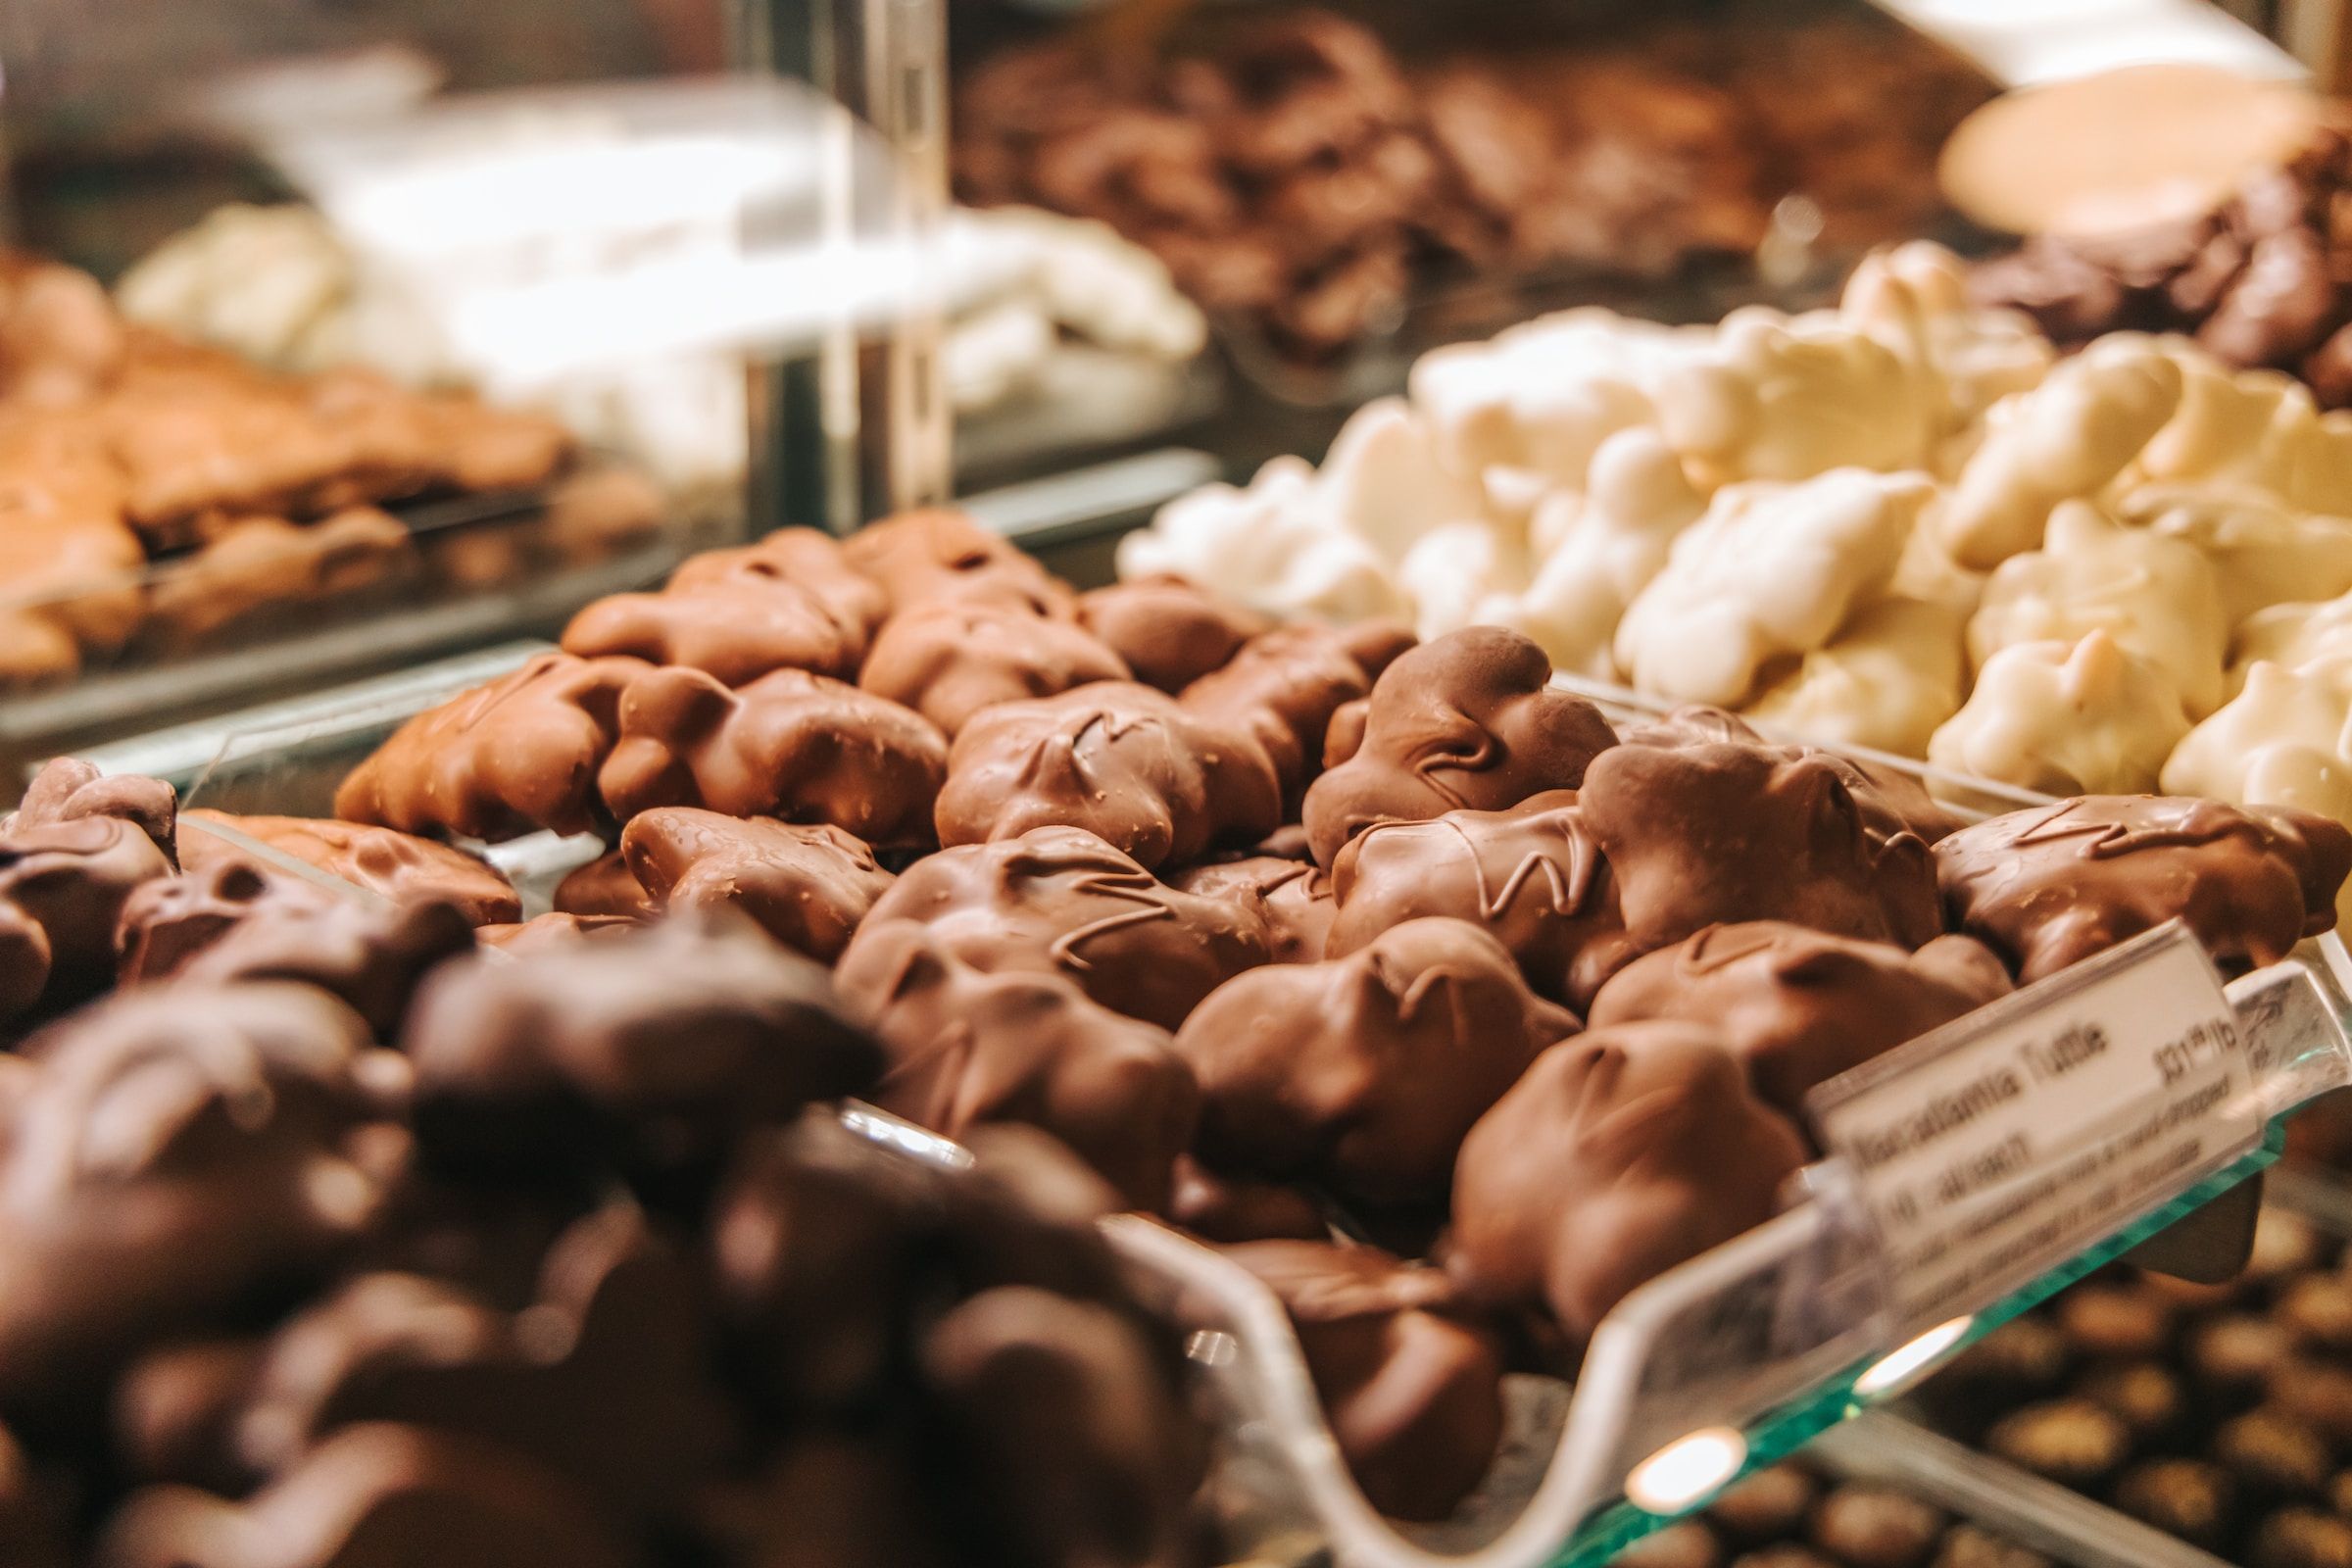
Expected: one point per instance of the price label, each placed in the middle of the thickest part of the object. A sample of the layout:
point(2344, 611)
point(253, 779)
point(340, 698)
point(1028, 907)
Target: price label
point(1995, 1146)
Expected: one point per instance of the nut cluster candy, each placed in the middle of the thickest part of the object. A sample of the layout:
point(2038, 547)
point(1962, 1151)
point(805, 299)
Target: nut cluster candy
point(789, 601)
point(1305, 175)
point(1314, 928)
point(161, 496)
point(1469, 721)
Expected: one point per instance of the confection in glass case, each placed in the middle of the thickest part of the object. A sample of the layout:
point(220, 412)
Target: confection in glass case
point(345, 336)
point(1160, 784)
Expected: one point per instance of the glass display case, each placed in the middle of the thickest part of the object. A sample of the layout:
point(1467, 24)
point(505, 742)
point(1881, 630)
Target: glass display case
point(516, 309)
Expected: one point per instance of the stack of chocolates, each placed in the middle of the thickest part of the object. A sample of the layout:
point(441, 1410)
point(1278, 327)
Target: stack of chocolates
point(328, 1239)
point(2259, 283)
point(1293, 170)
point(255, 496)
point(1791, 1516)
point(2220, 1414)
point(1282, 925)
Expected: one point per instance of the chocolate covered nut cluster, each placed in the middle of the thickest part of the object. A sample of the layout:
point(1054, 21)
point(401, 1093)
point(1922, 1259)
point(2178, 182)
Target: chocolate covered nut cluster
point(575, 1270)
point(1341, 930)
point(2218, 1414)
point(1305, 174)
point(252, 495)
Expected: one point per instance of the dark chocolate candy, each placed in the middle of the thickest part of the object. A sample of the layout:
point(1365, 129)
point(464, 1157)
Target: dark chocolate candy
point(1467, 721)
point(1618, 1155)
point(793, 745)
point(1075, 1446)
point(1060, 899)
point(966, 1047)
point(2048, 887)
point(657, 1048)
point(1530, 874)
point(603, 1378)
point(1362, 1074)
point(1130, 765)
point(1733, 831)
point(604, 888)
point(63, 888)
point(399, 865)
point(517, 754)
point(1799, 1006)
point(236, 923)
point(807, 885)
point(182, 1150)
point(1410, 1383)
point(373, 1495)
point(948, 658)
point(789, 601)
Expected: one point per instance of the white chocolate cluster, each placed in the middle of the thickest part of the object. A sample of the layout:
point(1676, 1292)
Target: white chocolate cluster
point(1903, 523)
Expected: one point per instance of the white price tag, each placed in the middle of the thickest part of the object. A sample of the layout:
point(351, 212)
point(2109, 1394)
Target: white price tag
point(1995, 1146)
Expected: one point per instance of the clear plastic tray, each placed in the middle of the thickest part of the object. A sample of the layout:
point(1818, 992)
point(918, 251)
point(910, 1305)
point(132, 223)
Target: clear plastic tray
point(1722, 1365)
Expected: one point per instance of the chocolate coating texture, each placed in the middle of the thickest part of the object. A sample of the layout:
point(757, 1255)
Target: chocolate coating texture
point(1231, 1208)
point(63, 888)
point(1169, 632)
point(1130, 765)
point(948, 658)
point(1799, 1006)
point(655, 1049)
point(1061, 899)
point(936, 554)
point(1413, 1385)
point(2049, 887)
point(181, 1151)
point(68, 789)
point(1530, 875)
point(966, 1047)
point(517, 754)
point(1616, 1156)
point(1292, 898)
point(1284, 686)
point(793, 745)
point(235, 923)
point(399, 865)
point(1467, 721)
point(1363, 1074)
point(805, 884)
point(605, 889)
point(789, 601)
point(375, 1493)
point(602, 1376)
point(1735, 830)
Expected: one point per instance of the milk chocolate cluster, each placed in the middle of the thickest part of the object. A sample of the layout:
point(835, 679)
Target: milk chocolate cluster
point(256, 496)
point(1298, 172)
point(564, 1254)
point(2257, 281)
point(1308, 924)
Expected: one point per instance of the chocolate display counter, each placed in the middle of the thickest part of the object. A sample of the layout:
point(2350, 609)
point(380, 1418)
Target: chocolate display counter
point(1732, 1212)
